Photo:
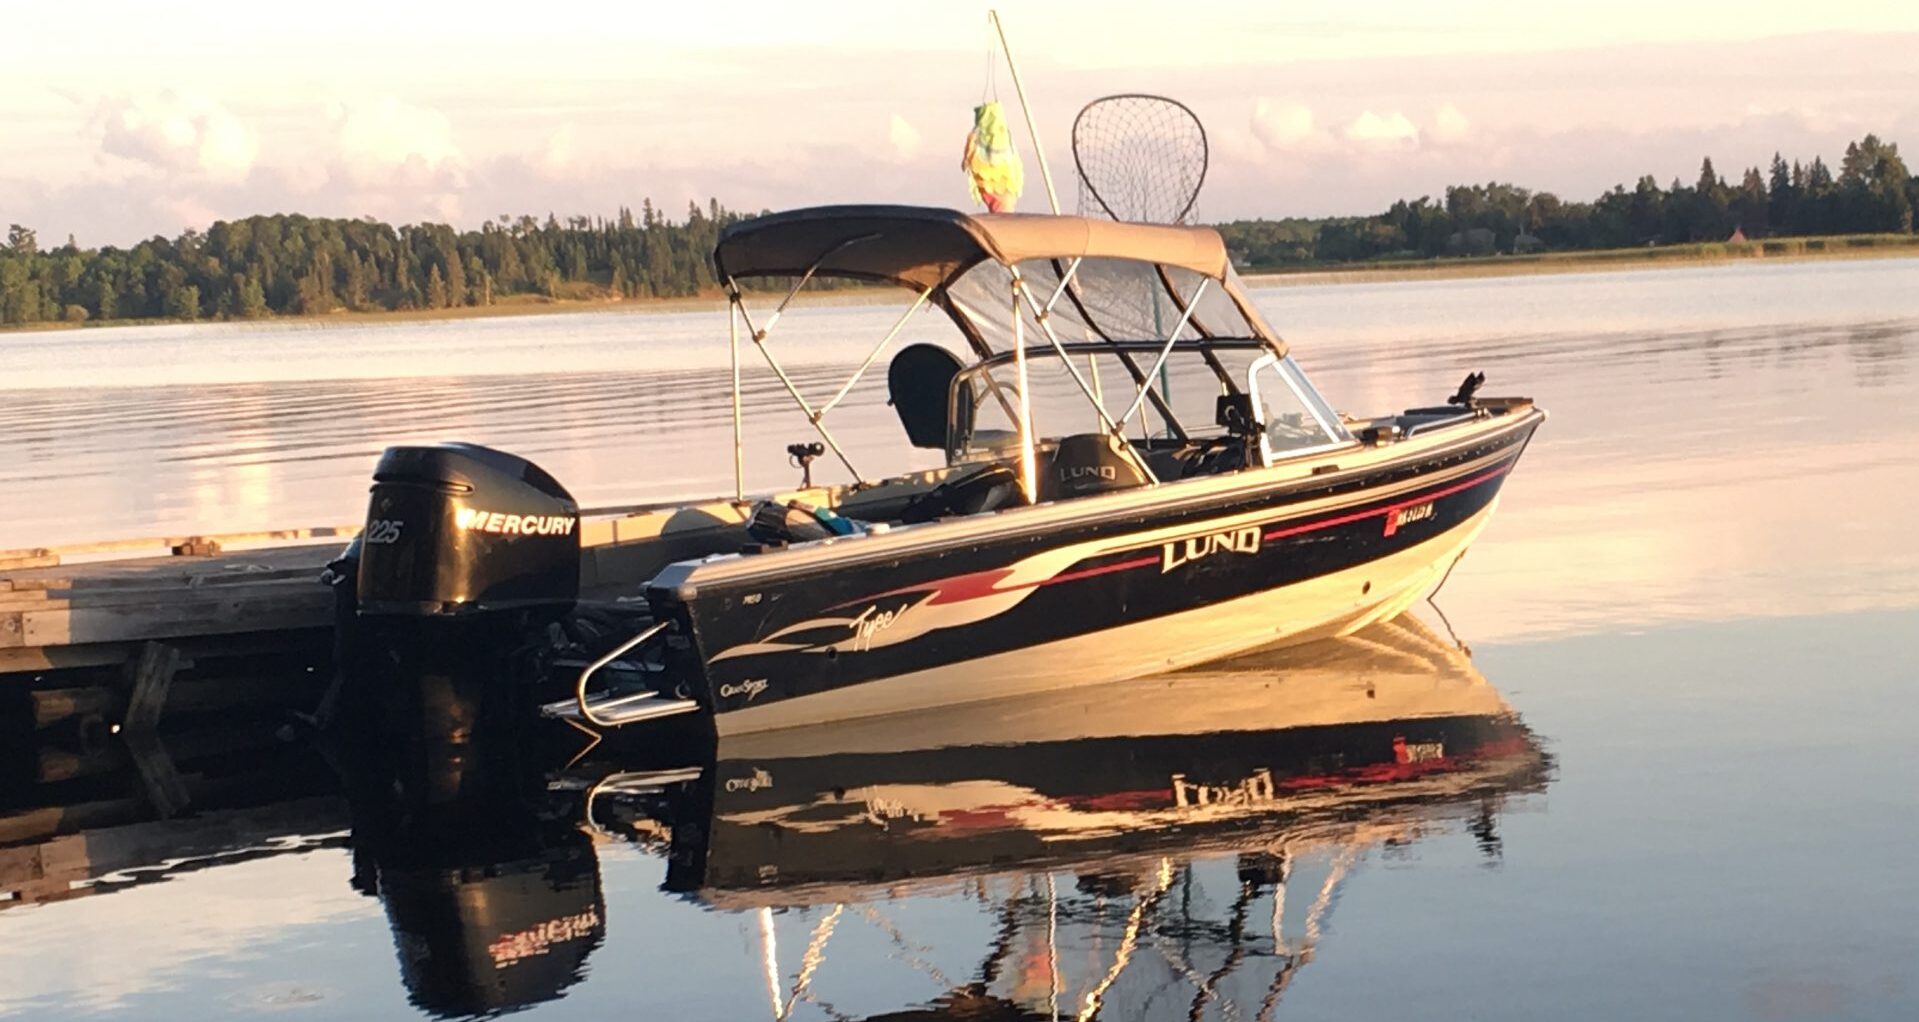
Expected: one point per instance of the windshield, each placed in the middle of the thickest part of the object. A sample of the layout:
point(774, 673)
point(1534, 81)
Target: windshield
point(1183, 404)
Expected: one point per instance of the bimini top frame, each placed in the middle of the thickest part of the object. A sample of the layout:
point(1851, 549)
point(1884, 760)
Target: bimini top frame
point(919, 247)
point(959, 261)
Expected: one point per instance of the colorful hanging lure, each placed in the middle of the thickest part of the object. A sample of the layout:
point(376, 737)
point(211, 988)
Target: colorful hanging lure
point(991, 164)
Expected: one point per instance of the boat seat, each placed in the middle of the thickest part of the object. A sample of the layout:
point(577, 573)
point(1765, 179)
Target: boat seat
point(987, 489)
point(1417, 420)
point(1170, 463)
point(778, 524)
point(919, 381)
point(1089, 463)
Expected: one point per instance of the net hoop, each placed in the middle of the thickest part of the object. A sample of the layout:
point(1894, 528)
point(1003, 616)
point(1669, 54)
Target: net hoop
point(1139, 157)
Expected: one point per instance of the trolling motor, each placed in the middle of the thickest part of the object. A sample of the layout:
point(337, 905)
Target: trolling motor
point(1467, 388)
point(801, 456)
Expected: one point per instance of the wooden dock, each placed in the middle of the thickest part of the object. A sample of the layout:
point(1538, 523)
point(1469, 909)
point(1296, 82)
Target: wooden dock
point(109, 626)
point(99, 604)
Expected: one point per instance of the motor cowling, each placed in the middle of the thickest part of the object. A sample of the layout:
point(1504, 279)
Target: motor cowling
point(454, 530)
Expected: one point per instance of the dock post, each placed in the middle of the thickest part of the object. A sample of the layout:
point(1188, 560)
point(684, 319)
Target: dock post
point(153, 674)
point(158, 776)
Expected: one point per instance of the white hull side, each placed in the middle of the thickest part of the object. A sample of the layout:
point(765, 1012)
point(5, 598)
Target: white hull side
point(1336, 604)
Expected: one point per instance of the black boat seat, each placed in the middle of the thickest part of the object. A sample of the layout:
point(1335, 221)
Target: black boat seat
point(988, 489)
point(919, 381)
point(1208, 457)
point(1170, 463)
point(1089, 463)
point(774, 523)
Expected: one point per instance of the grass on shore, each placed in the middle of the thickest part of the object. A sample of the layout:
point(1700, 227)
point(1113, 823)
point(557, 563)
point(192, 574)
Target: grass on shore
point(1595, 261)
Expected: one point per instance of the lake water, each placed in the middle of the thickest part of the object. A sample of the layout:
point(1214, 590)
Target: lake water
point(1674, 779)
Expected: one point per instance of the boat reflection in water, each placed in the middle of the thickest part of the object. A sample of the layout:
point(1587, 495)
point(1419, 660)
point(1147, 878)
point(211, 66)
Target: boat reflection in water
point(491, 886)
point(1088, 824)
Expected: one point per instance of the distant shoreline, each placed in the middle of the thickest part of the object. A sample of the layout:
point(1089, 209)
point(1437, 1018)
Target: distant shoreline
point(1453, 268)
point(1869, 246)
point(518, 305)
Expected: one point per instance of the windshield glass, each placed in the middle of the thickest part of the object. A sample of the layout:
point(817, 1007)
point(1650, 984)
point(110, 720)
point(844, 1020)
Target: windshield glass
point(1184, 405)
point(1296, 418)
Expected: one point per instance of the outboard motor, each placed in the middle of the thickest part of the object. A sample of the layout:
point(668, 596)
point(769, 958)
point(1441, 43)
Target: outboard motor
point(455, 530)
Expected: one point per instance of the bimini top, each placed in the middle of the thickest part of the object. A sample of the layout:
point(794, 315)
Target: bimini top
point(923, 247)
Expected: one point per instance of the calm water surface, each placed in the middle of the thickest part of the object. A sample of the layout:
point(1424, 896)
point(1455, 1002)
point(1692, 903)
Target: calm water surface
point(1673, 779)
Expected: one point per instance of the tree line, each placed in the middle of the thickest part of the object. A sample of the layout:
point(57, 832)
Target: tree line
point(295, 265)
point(1873, 193)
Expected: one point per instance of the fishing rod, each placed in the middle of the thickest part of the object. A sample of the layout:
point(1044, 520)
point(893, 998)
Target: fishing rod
point(1032, 129)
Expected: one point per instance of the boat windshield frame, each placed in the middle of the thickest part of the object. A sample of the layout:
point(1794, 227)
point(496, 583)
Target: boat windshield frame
point(1038, 260)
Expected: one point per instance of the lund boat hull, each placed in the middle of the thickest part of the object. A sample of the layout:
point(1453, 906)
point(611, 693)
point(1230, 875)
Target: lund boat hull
point(883, 625)
point(1330, 605)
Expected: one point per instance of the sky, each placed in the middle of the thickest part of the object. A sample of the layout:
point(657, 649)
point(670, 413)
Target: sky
point(123, 120)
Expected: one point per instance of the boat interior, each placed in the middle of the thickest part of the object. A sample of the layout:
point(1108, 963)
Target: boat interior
point(1084, 358)
point(943, 404)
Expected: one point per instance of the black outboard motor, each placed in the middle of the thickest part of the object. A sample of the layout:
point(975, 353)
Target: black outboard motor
point(455, 530)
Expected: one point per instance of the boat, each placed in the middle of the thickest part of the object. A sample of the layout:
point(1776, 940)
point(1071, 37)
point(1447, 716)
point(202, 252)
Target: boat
point(1135, 475)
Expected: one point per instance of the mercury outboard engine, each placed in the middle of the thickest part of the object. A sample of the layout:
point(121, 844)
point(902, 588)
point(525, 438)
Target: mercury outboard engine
point(455, 530)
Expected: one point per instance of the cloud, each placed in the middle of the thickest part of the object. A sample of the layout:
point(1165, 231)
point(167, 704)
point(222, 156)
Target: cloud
point(263, 907)
point(393, 160)
point(1449, 125)
point(1388, 131)
point(1287, 127)
point(387, 142)
point(181, 133)
point(905, 137)
point(559, 156)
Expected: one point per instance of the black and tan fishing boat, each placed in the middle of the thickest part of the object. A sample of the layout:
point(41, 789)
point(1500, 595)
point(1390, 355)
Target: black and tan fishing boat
point(1136, 476)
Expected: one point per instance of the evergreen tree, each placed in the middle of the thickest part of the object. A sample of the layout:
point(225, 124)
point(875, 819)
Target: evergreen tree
point(1749, 207)
point(1782, 195)
point(1648, 220)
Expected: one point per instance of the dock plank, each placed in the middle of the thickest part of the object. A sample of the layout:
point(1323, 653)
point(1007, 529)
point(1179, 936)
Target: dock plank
point(230, 567)
point(104, 605)
point(269, 606)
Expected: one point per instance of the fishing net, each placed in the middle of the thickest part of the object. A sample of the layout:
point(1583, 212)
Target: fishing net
point(1140, 158)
